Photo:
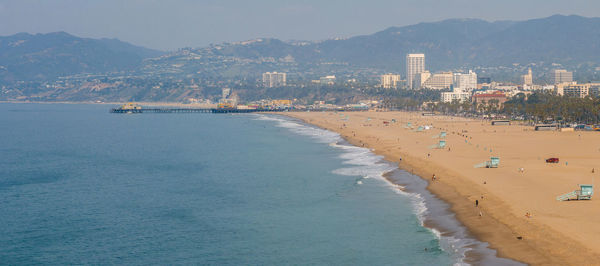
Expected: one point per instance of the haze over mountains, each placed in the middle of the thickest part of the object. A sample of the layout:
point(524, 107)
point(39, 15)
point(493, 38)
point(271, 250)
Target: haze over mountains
point(25, 56)
point(450, 44)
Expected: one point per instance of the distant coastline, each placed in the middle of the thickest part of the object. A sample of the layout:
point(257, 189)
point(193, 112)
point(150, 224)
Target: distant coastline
point(166, 104)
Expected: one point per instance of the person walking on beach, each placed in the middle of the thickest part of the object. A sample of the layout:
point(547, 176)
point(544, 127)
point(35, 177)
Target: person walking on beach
point(476, 203)
point(433, 177)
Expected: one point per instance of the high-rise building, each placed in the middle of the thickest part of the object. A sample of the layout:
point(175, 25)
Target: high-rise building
point(274, 79)
point(561, 76)
point(527, 79)
point(438, 81)
point(389, 81)
point(465, 81)
point(415, 63)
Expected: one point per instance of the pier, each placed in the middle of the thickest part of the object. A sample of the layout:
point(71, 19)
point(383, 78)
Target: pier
point(132, 108)
point(189, 110)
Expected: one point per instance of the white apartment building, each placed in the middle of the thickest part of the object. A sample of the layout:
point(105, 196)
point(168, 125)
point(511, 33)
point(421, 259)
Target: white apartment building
point(560, 87)
point(389, 81)
point(438, 81)
point(561, 76)
point(415, 63)
point(465, 81)
point(577, 90)
point(457, 94)
point(273, 79)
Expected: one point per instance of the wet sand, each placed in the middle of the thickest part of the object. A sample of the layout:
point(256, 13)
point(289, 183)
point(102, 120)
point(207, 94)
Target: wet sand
point(556, 233)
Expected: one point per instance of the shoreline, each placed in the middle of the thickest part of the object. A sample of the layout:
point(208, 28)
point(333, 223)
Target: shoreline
point(442, 221)
point(432, 213)
point(473, 256)
point(513, 237)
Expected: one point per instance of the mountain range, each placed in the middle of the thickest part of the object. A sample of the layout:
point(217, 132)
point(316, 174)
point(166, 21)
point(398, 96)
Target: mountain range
point(25, 56)
point(449, 44)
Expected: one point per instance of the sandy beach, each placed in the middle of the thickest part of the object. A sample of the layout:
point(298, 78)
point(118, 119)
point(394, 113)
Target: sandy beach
point(555, 232)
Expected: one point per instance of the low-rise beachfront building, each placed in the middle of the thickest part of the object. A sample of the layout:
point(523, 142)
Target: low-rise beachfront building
point(457, 94)
point(465, 81)
point(484, 98)
point(389, 81)
point(578, 90)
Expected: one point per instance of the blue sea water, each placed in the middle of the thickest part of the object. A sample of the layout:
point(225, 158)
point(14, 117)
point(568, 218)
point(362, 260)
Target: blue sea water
point(79, 185)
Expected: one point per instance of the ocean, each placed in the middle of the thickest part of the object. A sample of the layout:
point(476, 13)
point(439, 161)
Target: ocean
point(79, 185)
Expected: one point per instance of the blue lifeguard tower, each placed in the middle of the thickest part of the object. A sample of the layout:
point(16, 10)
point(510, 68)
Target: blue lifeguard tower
point(494, 162)
point(440, 145)
point(584, 192)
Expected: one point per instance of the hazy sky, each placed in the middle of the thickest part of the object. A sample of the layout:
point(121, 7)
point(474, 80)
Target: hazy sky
point(174, 24)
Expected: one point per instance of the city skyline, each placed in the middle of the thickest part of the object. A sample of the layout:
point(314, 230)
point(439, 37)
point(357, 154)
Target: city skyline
point(169, 26)
point(339, 132)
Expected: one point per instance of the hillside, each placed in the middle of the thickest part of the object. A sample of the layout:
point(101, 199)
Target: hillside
point(45, 56)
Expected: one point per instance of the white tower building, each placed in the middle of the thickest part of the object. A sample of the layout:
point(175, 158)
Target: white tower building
point(415, 64)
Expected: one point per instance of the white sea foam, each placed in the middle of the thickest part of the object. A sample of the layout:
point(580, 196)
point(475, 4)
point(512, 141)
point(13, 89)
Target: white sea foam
point(449, 243)
point(320, 135)
point(365, 163)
